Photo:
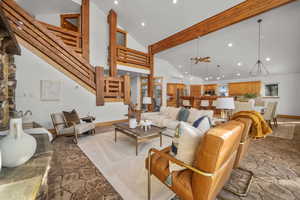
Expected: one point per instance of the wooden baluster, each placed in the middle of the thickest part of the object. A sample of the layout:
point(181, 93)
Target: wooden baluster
point(99, 86)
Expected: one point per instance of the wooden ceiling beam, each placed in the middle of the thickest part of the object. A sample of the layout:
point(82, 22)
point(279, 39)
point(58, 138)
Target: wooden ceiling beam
point(238, 13)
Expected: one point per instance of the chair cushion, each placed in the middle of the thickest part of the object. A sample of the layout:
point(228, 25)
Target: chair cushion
point(71, 117)
point(66, 131)
point(182, 183)
point(183, 114)
point(159, 165)
point(184, 144)
point(84, 127)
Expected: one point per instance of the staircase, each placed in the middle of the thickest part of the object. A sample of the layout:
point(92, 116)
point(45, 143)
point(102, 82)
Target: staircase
point(62, 49)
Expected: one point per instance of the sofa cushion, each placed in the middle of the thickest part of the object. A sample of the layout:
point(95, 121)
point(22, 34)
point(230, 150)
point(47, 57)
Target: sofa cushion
point(183, 114)
point(170, 124)
point(158, 120)
point(184, 144)
point(163, 110)
point(196, 114)
point(172, 112)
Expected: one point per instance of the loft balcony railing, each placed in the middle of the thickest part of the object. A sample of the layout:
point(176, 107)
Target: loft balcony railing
point(134, 57)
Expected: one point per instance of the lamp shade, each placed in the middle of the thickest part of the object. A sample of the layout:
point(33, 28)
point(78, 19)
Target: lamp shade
point(147, 100)
point(204, 103)
point(225, 103)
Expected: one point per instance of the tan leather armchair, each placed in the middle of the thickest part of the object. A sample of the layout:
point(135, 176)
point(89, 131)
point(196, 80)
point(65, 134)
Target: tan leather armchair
point(214, 161)
point(241, 153)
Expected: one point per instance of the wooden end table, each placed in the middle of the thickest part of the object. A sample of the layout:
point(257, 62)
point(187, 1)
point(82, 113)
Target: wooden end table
point(138, 134)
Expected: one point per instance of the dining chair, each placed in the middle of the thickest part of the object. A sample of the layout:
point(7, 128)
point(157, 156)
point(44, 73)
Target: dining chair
point(204, 104)
point(270, 113)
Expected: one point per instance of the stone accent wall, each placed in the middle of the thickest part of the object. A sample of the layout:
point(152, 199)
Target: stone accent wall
point(7, 89)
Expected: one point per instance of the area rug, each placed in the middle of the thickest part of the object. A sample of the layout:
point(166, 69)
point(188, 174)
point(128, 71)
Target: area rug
point(121, 167)
point(284, 131)
point(73, 176)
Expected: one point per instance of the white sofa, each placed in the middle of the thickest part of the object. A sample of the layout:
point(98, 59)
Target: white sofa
point(167, 117)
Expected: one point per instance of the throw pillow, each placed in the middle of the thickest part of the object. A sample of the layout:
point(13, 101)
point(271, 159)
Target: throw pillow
point(184, 144)
point(71, 117)
point(203, 122)
point(183, 114)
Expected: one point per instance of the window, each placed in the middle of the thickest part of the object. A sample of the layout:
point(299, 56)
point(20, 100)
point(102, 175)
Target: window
point(121, 38)
point(271, 90)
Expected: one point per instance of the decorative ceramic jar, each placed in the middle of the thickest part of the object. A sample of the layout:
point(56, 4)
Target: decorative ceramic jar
point(132, 123)
point(17, 147)
point(146, 125)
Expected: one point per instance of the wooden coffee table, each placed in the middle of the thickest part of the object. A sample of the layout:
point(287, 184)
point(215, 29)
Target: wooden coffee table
point(139, 134)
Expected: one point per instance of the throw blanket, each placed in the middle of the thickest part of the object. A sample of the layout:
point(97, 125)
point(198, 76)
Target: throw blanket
point(260, 128)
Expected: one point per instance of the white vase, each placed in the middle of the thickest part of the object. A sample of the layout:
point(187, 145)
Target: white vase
point(17, 147)
point(132, 123)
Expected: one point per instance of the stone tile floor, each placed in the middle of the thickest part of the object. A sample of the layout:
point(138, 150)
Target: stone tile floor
point(274, 161)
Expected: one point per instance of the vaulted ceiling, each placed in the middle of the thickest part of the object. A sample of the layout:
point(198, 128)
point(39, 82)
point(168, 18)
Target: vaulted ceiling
point(163, 18)
point(44, 7)
point(280, 43)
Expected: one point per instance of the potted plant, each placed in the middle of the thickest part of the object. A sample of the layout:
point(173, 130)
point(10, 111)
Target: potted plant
point(250, 96)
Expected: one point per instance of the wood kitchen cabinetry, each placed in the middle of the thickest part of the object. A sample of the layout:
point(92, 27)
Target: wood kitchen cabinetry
point(210, 89)
point(174, 91)
point(242, 88)
point(195, 90)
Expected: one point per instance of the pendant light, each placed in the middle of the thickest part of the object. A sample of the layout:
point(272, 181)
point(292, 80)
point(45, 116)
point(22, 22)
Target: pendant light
point(259, 68)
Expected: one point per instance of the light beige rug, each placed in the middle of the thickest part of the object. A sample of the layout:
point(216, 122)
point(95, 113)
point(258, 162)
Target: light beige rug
point(284, 130)
point(121, 167)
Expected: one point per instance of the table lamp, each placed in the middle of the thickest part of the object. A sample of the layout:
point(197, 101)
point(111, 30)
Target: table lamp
point(225, 105)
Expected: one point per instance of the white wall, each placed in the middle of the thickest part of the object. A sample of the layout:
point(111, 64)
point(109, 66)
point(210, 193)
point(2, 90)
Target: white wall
point(169, 73)
point(135, 89)
point(53, 19)
point(289, 91)
point(32, 69)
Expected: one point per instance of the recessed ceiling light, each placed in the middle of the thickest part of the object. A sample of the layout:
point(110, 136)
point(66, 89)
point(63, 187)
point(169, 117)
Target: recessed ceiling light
point(218, 78)
point(206, 78)
point(143, 24)
point(238, 74)
point(268, 59)
point(174, 1)
point(230, 45)
point(223, 76)
point(186, 72)
point(116, 2)
point(240, 64)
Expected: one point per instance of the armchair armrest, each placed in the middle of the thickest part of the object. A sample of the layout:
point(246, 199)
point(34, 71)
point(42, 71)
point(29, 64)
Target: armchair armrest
point(174, 160)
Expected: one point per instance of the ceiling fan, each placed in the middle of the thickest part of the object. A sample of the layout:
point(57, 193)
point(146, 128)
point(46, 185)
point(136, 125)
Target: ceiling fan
point(200, 59)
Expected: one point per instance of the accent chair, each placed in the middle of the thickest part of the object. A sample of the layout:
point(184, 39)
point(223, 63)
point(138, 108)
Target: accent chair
point(215, 159)
point(62, 128)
